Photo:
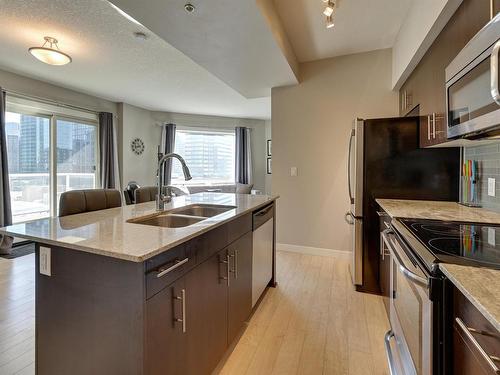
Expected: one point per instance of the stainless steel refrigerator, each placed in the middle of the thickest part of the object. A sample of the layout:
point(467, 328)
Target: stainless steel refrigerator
point(385, 161)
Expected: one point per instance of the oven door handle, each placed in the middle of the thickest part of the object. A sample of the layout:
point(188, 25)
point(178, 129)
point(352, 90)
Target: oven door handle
point(388, 352)
point(495, 93)
point(413, 277)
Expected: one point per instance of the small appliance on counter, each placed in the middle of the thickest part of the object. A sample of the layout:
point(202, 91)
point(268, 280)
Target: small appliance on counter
point(419, 298)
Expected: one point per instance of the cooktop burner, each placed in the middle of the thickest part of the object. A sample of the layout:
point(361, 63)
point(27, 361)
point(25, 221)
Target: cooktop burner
point(474, 244)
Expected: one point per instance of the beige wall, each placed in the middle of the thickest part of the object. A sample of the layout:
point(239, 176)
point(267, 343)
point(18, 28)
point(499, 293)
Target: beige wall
point(28, 86)
point(310, 128)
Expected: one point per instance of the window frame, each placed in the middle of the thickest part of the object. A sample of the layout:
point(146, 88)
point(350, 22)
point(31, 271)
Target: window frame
point(38, 109)
point(205, 130)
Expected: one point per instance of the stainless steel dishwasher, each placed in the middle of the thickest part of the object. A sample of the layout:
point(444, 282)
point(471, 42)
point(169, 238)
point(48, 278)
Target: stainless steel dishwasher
point(263, 239)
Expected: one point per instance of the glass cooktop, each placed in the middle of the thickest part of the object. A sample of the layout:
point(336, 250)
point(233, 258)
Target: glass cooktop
point(454, 242)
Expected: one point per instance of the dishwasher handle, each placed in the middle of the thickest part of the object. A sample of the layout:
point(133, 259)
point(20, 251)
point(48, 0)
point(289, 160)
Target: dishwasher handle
point(261, 216)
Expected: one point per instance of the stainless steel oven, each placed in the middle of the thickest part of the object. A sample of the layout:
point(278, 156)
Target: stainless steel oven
point(409, 343)
point(472, 92)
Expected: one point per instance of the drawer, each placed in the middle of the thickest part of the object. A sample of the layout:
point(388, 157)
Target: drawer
point(481, 338)
point(208, 244)
point(163, 269)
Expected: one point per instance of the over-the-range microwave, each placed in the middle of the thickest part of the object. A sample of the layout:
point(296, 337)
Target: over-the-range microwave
point(472, 93)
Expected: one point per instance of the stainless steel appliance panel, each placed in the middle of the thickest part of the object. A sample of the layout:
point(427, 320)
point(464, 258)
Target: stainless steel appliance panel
point(262, 258)
point(356, 267)
point(472, 94)
point(410, 312)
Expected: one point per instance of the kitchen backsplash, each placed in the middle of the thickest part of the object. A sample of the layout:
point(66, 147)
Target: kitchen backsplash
point(488, 157)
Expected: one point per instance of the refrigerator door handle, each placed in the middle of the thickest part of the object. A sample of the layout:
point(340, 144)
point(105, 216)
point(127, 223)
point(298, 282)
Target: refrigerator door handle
point(351, 137)
point(348, 218)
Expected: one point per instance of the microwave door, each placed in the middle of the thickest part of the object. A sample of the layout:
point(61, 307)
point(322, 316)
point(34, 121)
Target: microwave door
point(355, 168)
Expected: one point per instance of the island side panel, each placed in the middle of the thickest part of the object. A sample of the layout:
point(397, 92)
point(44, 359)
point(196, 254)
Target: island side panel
point(89, 315)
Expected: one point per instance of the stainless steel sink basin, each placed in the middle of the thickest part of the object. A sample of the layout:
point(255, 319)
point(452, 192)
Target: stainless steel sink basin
point(183, 216)
point(168, 221)
point(203, 210)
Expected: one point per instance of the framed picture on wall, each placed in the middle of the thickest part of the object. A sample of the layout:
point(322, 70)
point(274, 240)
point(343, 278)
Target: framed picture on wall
point(269, 166)
point(269, 147)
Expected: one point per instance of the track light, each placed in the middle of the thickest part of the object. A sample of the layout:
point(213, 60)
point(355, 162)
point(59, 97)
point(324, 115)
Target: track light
point(329, 9)
point(329, 22)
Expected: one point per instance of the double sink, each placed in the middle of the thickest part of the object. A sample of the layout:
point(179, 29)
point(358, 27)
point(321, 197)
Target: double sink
point(182, 216)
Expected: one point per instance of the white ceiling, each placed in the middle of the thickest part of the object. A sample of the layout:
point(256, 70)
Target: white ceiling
point(230, 38)
point(360, 26)
point(109, 62)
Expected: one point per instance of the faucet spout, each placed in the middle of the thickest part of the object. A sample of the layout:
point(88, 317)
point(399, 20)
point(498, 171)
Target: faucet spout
point(160, 197)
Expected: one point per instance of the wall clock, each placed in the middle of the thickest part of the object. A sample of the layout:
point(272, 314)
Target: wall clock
point(137, 146)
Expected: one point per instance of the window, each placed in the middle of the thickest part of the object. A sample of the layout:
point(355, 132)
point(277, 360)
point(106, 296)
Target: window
point(210, 156)
point(35, 186)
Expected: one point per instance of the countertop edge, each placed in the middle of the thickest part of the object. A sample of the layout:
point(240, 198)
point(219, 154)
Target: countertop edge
point(482, 309)
point(151, 254)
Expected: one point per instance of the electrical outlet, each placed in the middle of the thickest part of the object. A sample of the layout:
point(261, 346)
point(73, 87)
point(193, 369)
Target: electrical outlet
point(293, 171)
point(45, 266)
point(491, 187)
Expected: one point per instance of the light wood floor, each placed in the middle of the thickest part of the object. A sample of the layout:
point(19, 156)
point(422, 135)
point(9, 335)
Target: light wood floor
point(313, 323)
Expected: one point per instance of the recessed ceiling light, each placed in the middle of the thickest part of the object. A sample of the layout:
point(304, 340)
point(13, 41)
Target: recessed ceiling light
point(127, 16)
point(141, 35)
point(49, 53)
point(190, 8)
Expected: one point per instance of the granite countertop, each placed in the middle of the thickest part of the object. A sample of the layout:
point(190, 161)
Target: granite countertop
point(481, 286)
point(108, 233)
point(437, 210)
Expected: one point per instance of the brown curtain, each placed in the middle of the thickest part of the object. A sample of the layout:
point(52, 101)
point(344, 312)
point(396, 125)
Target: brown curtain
point(5, 208)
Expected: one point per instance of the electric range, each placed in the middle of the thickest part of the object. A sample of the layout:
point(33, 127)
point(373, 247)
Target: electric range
point(469, 244)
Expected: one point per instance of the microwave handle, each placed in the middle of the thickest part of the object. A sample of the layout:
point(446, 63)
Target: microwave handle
point(495, 93)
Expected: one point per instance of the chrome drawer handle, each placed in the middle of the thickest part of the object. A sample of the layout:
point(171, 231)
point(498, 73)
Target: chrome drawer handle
point(489, 359)
point(162, 272)
point(183, 319)
point(388, 352)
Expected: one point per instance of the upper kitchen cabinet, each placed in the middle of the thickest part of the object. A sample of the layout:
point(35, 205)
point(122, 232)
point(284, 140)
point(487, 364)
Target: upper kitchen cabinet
point(425, 87)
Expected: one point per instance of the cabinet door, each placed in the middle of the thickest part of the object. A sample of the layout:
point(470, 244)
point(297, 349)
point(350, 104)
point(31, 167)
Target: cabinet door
point(206, 310)
point(165, 337)
point(240, 284)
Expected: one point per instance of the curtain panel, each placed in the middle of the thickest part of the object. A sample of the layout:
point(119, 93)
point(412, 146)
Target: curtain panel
point(108, 152)
point(167, 146)
point(5, 205)
point(243, 156)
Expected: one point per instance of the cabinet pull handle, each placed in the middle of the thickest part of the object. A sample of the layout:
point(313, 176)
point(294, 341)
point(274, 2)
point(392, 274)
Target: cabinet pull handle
point(382, 214)
point(183, 319)
point(388, 352)
point(495, 93)
point(235, 263)
point(177, 263)
point(434, 126)
point(428, 128)
point(228, 268)
point(489, 359)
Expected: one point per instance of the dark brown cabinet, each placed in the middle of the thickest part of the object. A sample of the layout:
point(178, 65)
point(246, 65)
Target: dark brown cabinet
point(165, 350)
point(191, 322)
point(240, 284)
point(206, 315)
point(425, 87)
point(476, 343)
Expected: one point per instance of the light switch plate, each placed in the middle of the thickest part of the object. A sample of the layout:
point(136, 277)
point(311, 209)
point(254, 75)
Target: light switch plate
point(491, 187)
point(45, 265)
point(293, 171)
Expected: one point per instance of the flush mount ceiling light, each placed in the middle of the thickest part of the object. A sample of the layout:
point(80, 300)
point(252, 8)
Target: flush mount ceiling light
point(49, 53)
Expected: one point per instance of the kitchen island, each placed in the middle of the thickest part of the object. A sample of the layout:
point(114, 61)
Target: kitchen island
point(128, 291)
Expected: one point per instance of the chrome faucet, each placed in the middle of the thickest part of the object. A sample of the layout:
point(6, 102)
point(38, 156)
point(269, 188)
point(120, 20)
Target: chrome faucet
point(160, 197)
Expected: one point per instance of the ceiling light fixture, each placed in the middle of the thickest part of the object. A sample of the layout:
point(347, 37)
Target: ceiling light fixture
point(328, 12)
point(329, 22)
point(127, 16)
point(49, 53)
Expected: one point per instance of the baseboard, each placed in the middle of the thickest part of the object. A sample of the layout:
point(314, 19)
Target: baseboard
point(313, 250)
